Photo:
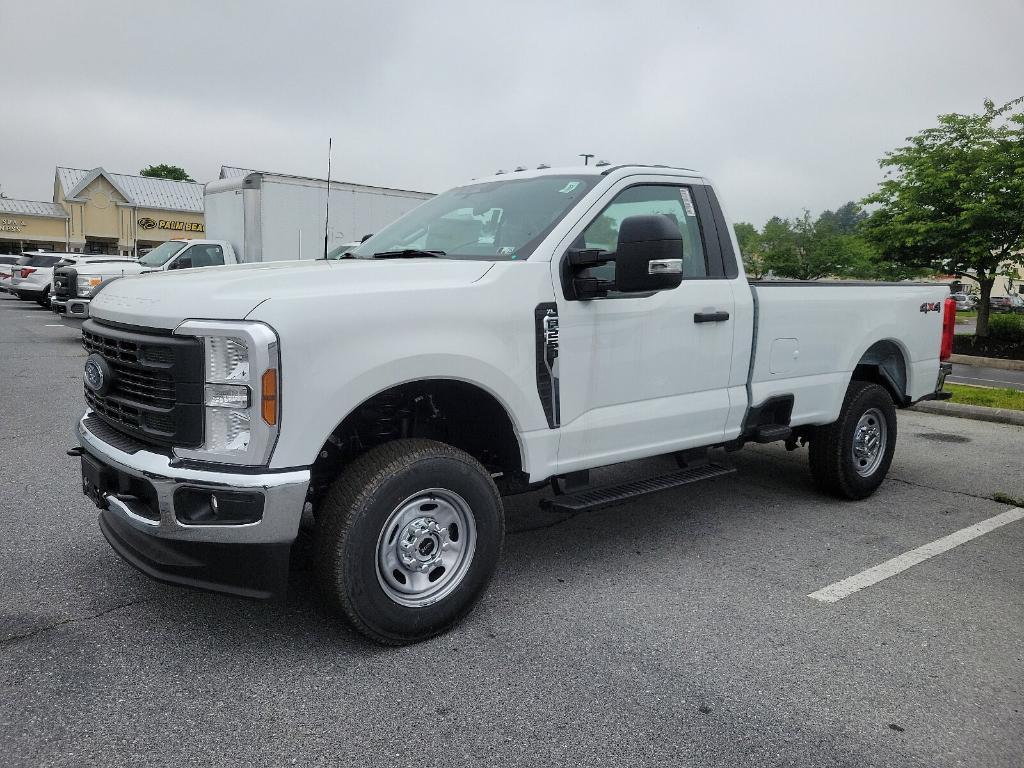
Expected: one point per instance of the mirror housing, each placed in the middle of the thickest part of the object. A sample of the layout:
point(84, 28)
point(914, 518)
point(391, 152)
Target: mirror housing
point(649, 256)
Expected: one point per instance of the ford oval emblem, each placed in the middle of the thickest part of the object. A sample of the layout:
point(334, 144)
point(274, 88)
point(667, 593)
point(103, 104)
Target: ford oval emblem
point(97, 374)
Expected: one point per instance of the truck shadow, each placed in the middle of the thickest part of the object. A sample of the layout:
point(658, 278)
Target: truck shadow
point(543, 551)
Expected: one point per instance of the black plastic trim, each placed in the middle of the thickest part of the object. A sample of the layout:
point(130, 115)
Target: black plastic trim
point(257, 571)
point(547, 354)
point(728, 255)
point(133, 328)
point(775, 411)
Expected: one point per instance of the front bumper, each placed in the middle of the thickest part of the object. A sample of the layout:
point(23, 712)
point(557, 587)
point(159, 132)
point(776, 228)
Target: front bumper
point(141, 497)
point(59, 306)
point(77, 308)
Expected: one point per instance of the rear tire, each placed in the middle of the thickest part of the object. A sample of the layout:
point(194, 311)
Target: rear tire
point(408, 539)
point(850, 457)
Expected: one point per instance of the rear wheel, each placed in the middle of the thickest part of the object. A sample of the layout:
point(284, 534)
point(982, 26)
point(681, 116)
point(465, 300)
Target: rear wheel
point(408, 539)
point(850, 457)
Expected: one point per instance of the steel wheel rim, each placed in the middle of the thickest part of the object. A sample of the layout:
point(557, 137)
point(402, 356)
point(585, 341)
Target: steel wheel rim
point(425, 548)
point(870, 437)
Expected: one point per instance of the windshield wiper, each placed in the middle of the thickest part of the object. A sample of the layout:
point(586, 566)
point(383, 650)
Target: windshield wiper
point(408, 253)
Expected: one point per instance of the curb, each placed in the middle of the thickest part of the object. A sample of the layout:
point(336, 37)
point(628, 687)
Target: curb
point(988, 362)
point(976, 412)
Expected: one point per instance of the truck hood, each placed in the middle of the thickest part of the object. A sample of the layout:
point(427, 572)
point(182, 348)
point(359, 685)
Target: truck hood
point(109, 268)
point(165, 299)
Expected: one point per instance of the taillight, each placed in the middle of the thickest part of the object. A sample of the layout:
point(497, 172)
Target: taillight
point(26, 271)
point(948, 328)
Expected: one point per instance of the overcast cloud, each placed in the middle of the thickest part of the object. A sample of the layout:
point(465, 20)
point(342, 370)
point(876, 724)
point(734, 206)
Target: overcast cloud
point(787, 105)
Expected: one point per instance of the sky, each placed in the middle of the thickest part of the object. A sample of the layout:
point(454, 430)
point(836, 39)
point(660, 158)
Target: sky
point(785, 105)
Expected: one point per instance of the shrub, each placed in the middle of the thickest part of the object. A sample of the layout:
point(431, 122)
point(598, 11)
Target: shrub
point(1006, 327)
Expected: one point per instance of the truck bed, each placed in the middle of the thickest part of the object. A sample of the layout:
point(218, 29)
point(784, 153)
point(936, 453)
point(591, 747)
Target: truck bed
point(810, 336)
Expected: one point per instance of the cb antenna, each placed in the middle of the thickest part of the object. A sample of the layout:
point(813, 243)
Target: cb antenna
point(327, 216)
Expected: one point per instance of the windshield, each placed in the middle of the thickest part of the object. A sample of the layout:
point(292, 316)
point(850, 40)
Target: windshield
point(494, 221)
point(161, 254)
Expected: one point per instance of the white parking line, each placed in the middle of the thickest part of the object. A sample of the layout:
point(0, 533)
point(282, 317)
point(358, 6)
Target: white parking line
point(835, 592)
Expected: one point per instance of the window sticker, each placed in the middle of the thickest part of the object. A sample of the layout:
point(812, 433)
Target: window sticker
point(570, 187)
point(687, 202)
point(507, 250)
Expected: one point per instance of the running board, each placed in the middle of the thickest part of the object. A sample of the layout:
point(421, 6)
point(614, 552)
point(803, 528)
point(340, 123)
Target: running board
point(598, 498)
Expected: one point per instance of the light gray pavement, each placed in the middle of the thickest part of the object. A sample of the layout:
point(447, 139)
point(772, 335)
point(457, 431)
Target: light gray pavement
point(671, 631)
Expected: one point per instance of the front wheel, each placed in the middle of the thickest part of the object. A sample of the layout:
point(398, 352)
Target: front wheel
point(850, 457)
point(408, 539)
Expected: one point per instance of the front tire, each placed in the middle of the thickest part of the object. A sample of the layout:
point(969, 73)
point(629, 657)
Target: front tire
point(408, 539)
point(850, 457)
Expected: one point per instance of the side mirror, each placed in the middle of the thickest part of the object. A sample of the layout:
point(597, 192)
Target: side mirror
point(182, 262)
point(649, 256)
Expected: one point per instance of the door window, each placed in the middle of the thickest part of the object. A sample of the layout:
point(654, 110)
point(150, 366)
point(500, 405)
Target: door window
point(207, 256)
point(644, 200)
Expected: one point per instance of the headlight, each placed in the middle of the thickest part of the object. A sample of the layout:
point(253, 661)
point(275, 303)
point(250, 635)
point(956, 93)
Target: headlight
point(86, 285)
point(240, 391)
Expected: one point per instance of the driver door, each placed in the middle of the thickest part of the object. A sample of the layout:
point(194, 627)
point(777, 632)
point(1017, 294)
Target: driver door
point(643, 374)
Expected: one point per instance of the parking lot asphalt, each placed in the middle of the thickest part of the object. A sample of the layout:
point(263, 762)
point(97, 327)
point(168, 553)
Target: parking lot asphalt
point(675, 630)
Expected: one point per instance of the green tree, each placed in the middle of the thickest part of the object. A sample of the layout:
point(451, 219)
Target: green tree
point(164, 171)
point(805, 249)
point(953, 198)
point(845, 220)
point(749, 240)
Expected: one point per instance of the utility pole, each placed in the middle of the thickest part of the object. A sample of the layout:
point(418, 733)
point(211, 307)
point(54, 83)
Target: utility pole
point(586, 158)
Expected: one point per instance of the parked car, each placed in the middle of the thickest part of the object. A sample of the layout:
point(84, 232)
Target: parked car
point(6, 265)
point(41, 268)
point(32, 274)
point(965, 302)
point(76, 285)
point(519, 330)
point(1012, 303)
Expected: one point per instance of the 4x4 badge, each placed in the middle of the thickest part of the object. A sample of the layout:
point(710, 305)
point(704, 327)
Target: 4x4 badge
point(931, 306)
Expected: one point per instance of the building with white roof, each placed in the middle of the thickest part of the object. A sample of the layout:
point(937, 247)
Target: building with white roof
point(95, 211)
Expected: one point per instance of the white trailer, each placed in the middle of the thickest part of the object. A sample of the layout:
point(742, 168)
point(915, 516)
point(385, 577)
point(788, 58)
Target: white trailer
point(274, 217)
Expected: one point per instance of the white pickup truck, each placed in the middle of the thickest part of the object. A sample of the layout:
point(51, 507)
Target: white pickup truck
point(517, 331)
point(75, 286)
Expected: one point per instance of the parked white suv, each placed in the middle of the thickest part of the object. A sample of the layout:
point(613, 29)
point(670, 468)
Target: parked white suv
point(7, 264)
point(516, 331)
point(32, 275)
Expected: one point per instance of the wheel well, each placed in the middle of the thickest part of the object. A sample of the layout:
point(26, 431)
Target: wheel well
point(883, 363)
point(454, 412)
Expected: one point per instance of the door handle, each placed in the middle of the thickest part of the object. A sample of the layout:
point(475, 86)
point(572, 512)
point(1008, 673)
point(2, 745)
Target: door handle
point(710, 317)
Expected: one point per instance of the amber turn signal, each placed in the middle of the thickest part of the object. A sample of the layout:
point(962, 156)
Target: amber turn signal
point(268, 406)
